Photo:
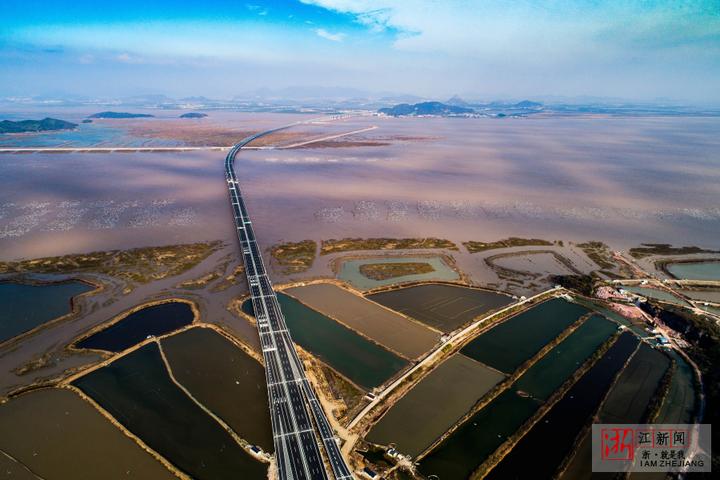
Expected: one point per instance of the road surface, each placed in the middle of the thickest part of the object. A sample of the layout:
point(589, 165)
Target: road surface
point(298, 420)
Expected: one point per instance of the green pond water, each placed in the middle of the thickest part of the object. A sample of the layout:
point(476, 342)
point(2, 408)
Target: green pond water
point(695, 270)
point(656, 294)
point(138, 392)
point(509, 344)
point(362, 361)
point(679, 403)
point(551, 371)
point(477, 438)
point(350, 271)
point(25, 306)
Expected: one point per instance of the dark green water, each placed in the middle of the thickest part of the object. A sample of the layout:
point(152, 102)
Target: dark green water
point(445, 307)
point(514, 341)
point(24, 307)
point(539, 453)
point(362, 361)
point(138, 392)
point(483, 433)
point(133, 329)
point(551, 371)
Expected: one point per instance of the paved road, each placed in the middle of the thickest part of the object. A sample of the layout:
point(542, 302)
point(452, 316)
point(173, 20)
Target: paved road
point(298, 420)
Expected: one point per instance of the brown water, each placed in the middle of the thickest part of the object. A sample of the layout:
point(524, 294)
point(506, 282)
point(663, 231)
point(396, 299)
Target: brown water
point(58, 435)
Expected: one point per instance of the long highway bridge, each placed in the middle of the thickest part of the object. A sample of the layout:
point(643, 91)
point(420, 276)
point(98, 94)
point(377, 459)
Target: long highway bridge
point(299, 423)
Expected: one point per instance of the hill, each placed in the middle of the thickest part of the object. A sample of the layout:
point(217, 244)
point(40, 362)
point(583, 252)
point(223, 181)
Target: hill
point(120, 115)
point(425, 108)
point(44, 125)
point(193, 115)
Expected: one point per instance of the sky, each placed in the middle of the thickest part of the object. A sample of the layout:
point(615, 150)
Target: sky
point(645, 50)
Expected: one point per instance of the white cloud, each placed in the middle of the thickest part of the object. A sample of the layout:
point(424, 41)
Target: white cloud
point(335, 37)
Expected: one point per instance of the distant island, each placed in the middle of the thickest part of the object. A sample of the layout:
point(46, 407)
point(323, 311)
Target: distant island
point(44, 125)
point(120, 115)
point(425, 108)
point(193, 115)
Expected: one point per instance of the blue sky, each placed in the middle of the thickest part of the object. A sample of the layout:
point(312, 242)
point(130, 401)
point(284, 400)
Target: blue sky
point(480, 49)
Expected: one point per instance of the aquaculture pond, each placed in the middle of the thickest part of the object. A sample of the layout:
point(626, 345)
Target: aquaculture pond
point(434, 405)
point(138, 392)
point(225, 379)
point(360, 360)
point(56, 434)
point(445, 307)
point(709, 270)
point(390, 329)
point(350, 271)
point(514, 341)
point(26, 306)
point(149, 321)
point(679, 403)
point(533, 456)
point(657, 294)
point(467, 447)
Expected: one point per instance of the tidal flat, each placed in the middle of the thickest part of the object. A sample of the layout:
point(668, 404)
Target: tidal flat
point(223, 378)
point(445, 307)
point(138, 392)
point(57, 434)
point(25, 306)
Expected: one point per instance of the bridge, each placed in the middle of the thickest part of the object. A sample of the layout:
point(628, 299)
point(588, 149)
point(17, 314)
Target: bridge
point(299, 424)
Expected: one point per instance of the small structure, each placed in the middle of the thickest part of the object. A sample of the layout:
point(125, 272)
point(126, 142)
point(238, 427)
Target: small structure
point(368, 473)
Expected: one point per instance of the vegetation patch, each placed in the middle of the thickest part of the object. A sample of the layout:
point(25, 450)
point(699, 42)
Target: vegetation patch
point(137, 265)
point(294, 257)
point(384, 271)
point(351, 244)
point(599, 253)
point(648, 249)
point(579, 283)
point(475, 247)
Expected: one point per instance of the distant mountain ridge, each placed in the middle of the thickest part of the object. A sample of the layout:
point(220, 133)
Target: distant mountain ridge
point(120, 115)
point(44, 125)
point(193, 115)
point(425, 108)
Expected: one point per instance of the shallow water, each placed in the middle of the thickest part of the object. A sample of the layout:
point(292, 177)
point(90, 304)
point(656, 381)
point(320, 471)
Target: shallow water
point(150, 321)
point(695, 270)
point(656, 294)
point(350, 271)
point(25, 306)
